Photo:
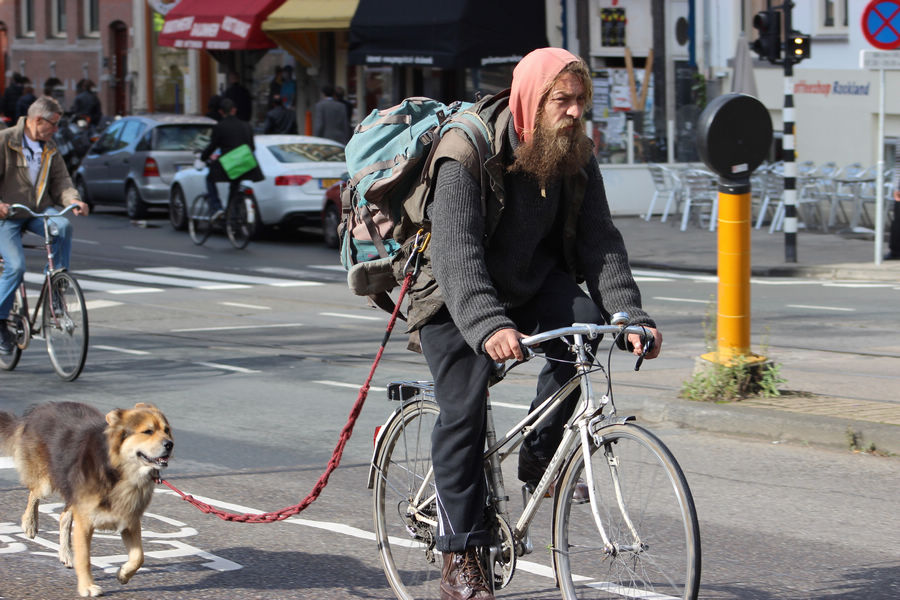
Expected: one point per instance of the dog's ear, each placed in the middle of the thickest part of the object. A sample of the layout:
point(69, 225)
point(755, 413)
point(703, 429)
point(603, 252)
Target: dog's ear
point(145, 406)
point(114, 417)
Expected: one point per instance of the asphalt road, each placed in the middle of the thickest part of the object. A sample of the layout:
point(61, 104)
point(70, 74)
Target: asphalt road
point(257, 382)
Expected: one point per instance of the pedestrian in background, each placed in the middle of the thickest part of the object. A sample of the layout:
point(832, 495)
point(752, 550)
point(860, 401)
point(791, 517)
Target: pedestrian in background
point(280, 119)
point(288, 86)
point(275, 85)
point(25, 100)
point(894, 241)
point(340, 96)
point(87, 103)
point(240, 96)
point(11, 97)
point(330, 117)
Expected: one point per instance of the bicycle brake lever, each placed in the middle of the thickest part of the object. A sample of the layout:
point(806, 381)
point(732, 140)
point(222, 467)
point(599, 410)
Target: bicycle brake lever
point(644, 350)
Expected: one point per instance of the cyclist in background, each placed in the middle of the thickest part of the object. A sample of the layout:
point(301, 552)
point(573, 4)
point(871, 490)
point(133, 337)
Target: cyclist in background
point(32, 173)
point(228, 134)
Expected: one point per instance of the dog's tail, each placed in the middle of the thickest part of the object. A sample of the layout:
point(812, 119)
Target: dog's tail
point(7, 428)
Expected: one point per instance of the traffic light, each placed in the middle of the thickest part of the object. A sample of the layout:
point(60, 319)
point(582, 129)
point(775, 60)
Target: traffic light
point(768, 44)
point(799, 46)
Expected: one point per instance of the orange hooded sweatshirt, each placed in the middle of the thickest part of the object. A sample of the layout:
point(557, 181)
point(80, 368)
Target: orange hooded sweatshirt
point(530, 77)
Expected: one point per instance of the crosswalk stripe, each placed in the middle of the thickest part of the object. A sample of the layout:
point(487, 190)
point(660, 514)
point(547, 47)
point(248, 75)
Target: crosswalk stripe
point(233, 277)
point(161, 280)
point(87, 284)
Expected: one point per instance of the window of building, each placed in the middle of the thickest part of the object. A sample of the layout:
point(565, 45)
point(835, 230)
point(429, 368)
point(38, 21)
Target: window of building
point(58, 18)
point(91, 17)
point(26, 17)
point(833, 16)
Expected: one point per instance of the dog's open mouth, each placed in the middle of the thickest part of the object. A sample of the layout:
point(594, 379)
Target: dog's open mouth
point(160, 461)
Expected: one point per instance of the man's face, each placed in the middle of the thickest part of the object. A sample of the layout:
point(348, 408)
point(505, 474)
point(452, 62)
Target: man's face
point(565, 103)
point(45, 128)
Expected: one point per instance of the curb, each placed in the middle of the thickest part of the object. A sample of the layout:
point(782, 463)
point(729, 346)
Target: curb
point(776, 425)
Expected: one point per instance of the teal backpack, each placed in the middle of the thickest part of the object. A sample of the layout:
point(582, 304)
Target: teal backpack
point(388, 159)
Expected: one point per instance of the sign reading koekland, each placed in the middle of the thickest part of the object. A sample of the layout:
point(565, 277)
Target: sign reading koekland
point(881, 24)
point(874, 59)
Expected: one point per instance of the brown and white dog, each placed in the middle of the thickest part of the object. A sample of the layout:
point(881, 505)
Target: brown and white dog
point(105, 470)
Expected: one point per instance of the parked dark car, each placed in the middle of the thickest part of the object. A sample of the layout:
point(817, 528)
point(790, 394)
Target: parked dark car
point(135, 159)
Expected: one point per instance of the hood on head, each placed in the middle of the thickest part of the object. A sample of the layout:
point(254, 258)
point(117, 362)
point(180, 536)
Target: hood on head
point(530, 77)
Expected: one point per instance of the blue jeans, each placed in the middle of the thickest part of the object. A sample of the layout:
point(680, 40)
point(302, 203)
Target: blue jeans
point(212, 193)
point(14, 256)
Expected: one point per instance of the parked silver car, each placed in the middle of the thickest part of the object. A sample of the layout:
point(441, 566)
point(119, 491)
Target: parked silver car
point(135, 159)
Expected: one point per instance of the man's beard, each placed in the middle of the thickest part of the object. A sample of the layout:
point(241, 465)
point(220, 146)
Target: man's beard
point(555, 151)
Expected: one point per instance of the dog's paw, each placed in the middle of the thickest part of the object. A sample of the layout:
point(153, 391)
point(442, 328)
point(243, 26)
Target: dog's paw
point(29, 527)
point(65, 557)
point(91, 591)
point(123, 575)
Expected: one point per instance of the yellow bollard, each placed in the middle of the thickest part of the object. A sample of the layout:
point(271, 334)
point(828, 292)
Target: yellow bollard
point(733, 315)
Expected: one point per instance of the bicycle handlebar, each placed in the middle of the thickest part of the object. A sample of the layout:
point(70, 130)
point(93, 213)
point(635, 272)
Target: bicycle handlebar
point(589, 330)
point(44, 215)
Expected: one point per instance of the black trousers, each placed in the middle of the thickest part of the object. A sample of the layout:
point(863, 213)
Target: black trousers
point(894, 239)
point(461, 377)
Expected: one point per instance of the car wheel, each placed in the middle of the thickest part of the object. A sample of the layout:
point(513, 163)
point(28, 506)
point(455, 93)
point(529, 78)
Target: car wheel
point(81, 188)
point(134, 206)
point(330, 221)
point(178, 209)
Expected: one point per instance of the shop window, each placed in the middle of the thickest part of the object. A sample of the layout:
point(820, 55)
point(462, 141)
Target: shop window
point(91, 14)
point(58, 18)
point(612, 27)
point(26, 18)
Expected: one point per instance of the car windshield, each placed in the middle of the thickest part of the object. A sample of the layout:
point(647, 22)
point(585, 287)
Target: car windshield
point(293, 153)
point(182, 137)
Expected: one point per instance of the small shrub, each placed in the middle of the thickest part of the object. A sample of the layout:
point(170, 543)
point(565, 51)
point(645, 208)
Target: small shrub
point(741, 379)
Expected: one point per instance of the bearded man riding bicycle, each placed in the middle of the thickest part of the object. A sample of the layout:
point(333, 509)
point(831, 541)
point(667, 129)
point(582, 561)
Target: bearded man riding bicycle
point(511, 272)
point(33, 173)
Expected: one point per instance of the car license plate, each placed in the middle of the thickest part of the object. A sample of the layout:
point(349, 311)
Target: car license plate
point(327, 183)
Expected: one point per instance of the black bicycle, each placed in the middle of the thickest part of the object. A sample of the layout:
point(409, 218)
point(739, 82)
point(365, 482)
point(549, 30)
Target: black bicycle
point(240, 218)
point(64, 321)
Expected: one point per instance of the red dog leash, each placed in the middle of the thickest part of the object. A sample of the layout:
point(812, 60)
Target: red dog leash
point(346, 432)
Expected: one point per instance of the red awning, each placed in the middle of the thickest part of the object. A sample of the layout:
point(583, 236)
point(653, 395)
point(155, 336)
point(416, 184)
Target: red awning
point(218, 25)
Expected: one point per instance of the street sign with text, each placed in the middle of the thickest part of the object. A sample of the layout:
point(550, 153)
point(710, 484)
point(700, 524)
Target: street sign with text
point(879, 59)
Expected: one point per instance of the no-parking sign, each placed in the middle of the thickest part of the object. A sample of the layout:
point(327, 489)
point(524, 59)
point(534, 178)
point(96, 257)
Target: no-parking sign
point(881, 24)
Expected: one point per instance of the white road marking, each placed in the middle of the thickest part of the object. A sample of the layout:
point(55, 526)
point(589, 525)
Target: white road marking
point(236, 327)
point(6, 462)
point(242, 305)
point(814, 307)
point(160, 280)
point(97, 304)
point(233, 277)
point(646, 278)
point(122, 350)
point(509, 405)
point(328, 267)
point(695, 277)
point(140, 249)
point(226, 367)
point(348, 316)
point(96, 286)
point(373, 388)
point(667, 299)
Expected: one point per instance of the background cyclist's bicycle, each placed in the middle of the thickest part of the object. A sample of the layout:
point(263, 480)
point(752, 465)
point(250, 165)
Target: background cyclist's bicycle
point(63, 322)
point(239, 218)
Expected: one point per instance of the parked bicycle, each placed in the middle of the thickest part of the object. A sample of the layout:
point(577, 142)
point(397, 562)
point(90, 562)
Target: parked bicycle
point(63, 322)
point(636, 537)
point(239, 218)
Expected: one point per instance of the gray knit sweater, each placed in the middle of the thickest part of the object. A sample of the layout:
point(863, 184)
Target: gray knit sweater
point(478, 283)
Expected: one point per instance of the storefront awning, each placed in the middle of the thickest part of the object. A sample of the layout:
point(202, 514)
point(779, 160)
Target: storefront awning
point(218, 24)
point(437, 33)
point(311, 15)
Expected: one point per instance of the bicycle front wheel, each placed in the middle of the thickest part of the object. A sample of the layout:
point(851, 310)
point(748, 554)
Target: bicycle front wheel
point(199, 220)
point(404, 504)
point(645, 507)
point(237, 225)
point(65, 325)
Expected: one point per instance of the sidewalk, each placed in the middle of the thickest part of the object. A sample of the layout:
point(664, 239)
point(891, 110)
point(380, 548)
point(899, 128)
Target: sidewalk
point(848, 394)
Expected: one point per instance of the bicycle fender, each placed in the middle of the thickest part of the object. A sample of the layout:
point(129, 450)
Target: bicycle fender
point(379, 444)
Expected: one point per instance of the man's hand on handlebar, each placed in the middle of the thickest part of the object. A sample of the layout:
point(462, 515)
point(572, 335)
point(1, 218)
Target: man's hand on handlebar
point(81, 208)
point(504, 345)
point(4, 210)
point(653, 351)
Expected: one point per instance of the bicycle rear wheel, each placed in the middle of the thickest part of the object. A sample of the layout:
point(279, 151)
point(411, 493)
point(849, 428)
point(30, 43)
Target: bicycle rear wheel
point(199, 220)
point(17, 323)
point(237, 225)
point(404, 504)
point(65, 325)
point(636, 479)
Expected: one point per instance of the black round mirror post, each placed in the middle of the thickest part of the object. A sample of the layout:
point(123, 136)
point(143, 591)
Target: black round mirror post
point(733, 137)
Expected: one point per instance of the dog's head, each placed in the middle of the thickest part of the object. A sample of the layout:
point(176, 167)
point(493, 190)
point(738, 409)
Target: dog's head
point(140, 440)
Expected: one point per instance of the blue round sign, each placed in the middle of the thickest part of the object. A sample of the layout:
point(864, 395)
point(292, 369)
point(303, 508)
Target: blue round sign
point(881, 24)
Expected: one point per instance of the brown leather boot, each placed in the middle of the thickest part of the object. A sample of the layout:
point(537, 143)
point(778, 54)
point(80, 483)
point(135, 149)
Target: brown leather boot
point(463, 577)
